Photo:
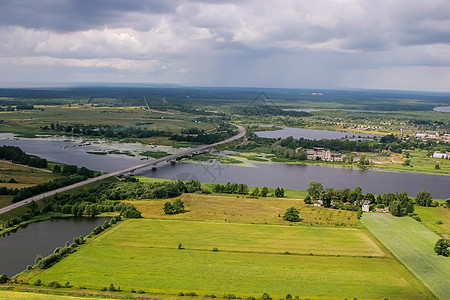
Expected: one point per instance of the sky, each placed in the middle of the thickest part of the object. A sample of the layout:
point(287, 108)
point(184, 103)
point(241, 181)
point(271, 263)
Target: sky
point(370, 44)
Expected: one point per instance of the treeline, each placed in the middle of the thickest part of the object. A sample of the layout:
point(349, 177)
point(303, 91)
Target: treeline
point(399, 203)
point(286, 147)
point(223, 132)
point(151, 190)
point(17, 107)
point(18, 156)
point(243, 189)
point(47, 186)
point(106, 131)
point(266, 110)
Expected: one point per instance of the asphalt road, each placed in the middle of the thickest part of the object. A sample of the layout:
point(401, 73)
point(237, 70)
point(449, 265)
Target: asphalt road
point(149, 163)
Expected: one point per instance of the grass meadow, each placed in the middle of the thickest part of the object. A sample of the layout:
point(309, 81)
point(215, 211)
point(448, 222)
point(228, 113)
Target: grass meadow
point(246, 210)
point(413, 244)
point(143, 254)
point(435, 218)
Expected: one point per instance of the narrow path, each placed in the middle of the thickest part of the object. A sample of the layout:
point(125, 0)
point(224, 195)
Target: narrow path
point(149, 163)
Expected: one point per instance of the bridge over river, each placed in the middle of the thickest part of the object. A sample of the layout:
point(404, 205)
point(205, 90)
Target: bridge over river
point(151, 163)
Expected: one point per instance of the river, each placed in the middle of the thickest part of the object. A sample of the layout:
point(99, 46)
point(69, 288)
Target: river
point(19, 248)
point(258, 174)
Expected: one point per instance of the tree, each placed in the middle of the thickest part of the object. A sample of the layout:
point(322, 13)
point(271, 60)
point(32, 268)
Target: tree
point(442, 247)
point(424, 198)
point(56, 169)
point(255, 192)
point(178, 206)
point(327, 197)
point(279, 193)
point(315, 190)
point(173, 208)
point(291, 215)
point(3, 278)
point(168, 209)
point(264, 192)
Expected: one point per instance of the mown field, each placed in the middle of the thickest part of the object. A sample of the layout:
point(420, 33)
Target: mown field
point(246, 210)
point(143, 254)
point(412, 243)
point(435, 218)
point(24, 175)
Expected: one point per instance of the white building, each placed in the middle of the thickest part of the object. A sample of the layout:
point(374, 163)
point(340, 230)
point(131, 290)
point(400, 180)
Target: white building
point(441, 155)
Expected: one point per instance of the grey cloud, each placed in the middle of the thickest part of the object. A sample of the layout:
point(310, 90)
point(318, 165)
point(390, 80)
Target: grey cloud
point(74, 15)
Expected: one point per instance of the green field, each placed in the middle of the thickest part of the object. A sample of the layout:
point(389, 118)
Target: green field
point(9, 295)
point(412, 243)
point(435, 218)
point(143, 254)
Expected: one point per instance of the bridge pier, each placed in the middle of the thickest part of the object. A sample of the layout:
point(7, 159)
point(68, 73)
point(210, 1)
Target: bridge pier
point(154, 168)
point(173, 161)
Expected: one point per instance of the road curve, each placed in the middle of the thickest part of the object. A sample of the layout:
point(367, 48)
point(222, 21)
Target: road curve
point(149, 163)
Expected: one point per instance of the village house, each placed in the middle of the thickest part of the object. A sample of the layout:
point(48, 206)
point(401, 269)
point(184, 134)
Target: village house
point(365, 205)
point(318, 203)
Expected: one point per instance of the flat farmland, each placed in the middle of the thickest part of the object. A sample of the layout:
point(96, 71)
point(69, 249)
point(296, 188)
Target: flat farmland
point(143, 254)
point(435, 218)
point(413, 244)
point(247, 210)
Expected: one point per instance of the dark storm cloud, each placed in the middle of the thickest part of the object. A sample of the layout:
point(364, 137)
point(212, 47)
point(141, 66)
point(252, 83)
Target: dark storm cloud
point(74, 15)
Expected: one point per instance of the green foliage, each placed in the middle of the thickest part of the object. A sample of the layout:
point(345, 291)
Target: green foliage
point(291, 215)
point(315, 190)
point(424, 198)
point(173, 208)
point(442, 247)
point(54, 284)
point(231, 188)
point(3, 278)
point(279, 192)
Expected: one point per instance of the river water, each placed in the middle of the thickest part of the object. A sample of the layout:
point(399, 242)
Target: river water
point(18, 249)
point(258, 174)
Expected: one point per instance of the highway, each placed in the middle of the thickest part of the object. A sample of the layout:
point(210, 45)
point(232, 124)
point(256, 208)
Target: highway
point(149, 163)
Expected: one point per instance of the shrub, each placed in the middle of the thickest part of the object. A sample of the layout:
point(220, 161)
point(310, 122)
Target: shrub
point(229, 296)
point(291, 215)
point(3, 278)
point(191, 294)
point(442, 247)
point(37, 282)
point(54, 284)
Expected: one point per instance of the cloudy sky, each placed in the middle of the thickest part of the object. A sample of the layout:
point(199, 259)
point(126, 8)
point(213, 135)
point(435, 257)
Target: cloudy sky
point(380, 44)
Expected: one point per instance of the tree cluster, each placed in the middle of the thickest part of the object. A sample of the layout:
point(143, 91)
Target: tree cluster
point(47, 186)
point(153, 190)
point(442, 247)
point(176, 207)
point(17, 156)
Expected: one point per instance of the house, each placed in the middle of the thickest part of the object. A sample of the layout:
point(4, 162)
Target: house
point(318, 203)
point(319, 152)
point(365, 204)
point(441, 155)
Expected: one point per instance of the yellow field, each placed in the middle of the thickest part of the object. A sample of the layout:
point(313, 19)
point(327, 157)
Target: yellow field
point(246, 210)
